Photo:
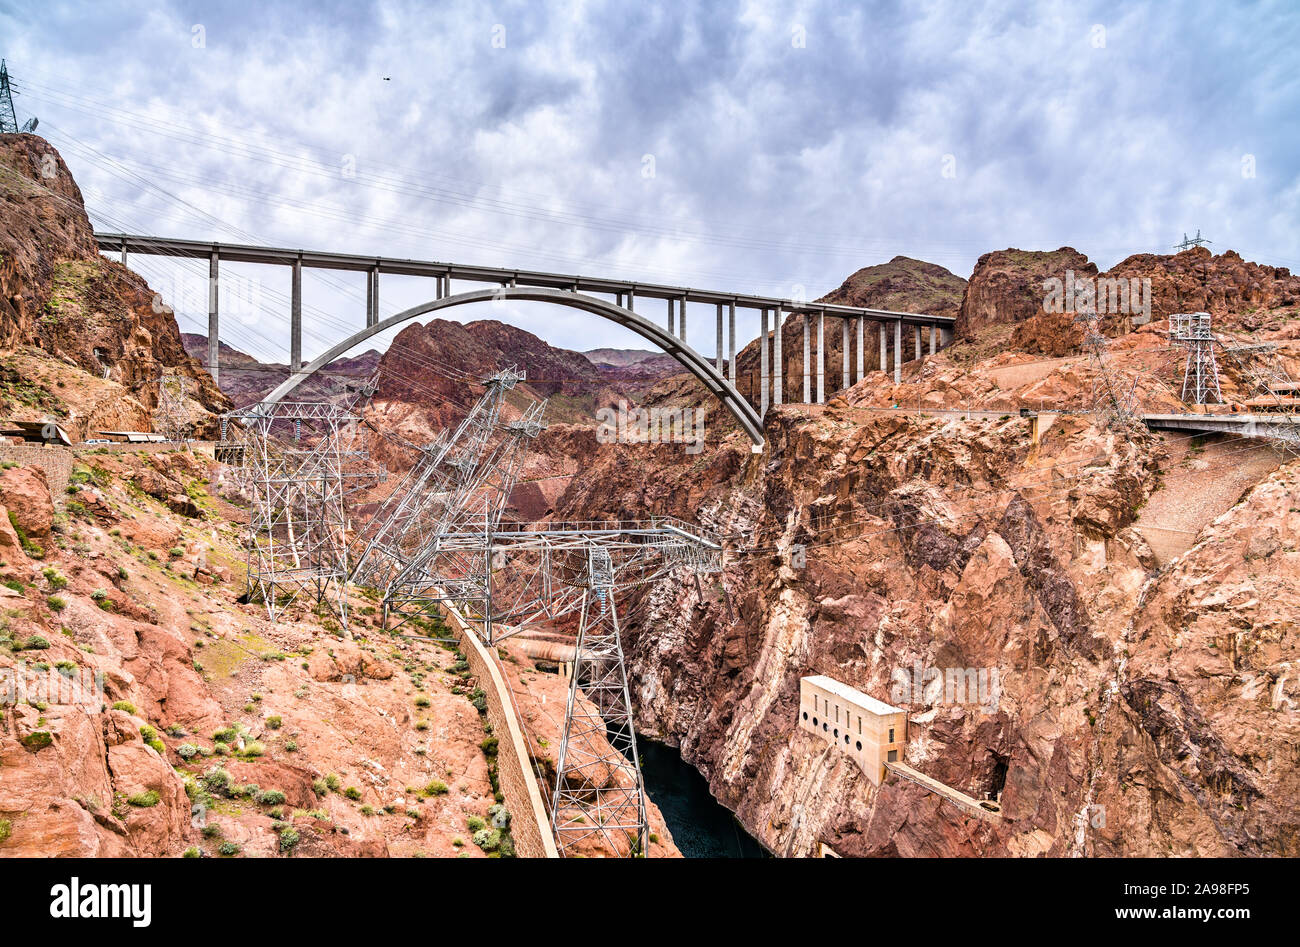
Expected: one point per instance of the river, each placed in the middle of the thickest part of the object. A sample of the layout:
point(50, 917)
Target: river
point(700, 825)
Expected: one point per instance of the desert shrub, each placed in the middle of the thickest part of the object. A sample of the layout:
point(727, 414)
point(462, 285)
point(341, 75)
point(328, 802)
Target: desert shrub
point(318, 787)
point(422, 701)
point(144, 800)
point(289, 838)
point(353, 793)
point(187, 751)
point(35, 643)
point(125, 706)
point(226, 735)
point(271, 797)
point(191, 852)
point(436, 788)
point(488, 839)
point(37, 740)
point(229, 848)
point(474, 823)
point(253, 748)
point(332, 781)
point(274, 722)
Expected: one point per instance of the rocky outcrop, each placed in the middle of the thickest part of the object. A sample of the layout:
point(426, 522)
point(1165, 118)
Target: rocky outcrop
point(1006, 287)
point(60, 297)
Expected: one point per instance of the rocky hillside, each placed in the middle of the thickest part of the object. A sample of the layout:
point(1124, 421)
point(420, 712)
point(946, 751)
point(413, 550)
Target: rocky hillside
point(88, 318)
point(138, 686)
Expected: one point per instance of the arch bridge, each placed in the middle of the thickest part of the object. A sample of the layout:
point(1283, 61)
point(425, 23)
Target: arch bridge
point(718, 375)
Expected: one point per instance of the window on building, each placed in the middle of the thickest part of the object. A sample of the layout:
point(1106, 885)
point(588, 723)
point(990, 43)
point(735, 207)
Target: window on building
point(846, 739)
point(891, 734)
point(805, 715)
point(814, 721)
point(859, 746)
point(893, 756)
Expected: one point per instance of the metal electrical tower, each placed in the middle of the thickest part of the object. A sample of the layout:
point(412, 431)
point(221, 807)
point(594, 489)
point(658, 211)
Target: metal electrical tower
point(1189, 242)
point(299, 464)
point(1114, 403)
point(8, 117)
point(171, 418)
point(1201, 371)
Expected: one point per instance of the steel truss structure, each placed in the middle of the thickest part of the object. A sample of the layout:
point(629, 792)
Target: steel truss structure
point(1114, 404)
point(171, 417)
point(1191, 330)
point(299, 464)
point(439, 538)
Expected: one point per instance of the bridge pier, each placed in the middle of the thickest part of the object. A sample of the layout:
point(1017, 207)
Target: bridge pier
point(762, 364)
point(918, 340)
point(807, 360)
point(295, 317)
point(934, 339)
point(898, 351)
point(214, 321)
point(717, 353)
point(778, 368)
point(821, 358)
point(884, 346)
point(862, 355)
point(681, 320)
point(945, 338)
point(731, 345)
point(844, 325)
point(372, 297)
point(672, 322)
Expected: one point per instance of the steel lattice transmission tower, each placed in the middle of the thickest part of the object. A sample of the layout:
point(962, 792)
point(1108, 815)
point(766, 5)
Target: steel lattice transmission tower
point(8, 117)
point(299, 464)
point(1200, 371)
point(598, 785)
point(1114, 403)
point(171, 417)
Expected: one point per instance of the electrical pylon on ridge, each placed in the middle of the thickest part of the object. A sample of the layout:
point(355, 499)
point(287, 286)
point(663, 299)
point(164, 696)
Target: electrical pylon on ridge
point(1192, 331)
point(1113, 402)
point(299, 463)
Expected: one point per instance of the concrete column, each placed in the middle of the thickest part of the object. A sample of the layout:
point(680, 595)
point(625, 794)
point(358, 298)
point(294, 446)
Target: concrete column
point(918, 341)
point(807, 361)
point(762, 364)
point(631, 301)
point(821, 358)
point(124, 253)
point(372, 297)
point(844, 324)
point(672, 324)
point(731, 344)
point(934, 339)
point(717, 354)
point(898, 351)
point(884, 346)
point(295, 318)
point(681, 320)
point(214, 321)
point(778, 369)
point(945, 338)
point(862, 354)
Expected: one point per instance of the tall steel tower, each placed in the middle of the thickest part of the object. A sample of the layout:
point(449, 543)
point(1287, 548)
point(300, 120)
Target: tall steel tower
point(1201, 371)
point(8, 117)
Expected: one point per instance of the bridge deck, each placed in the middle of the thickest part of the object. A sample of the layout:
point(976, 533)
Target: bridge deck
point(1278, 426)
point(244, 253)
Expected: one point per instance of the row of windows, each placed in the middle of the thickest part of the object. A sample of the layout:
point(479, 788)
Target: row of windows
point(847, 717)
point(826, 729)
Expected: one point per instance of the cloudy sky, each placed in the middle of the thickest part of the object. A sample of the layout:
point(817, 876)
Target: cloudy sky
point(749, 146)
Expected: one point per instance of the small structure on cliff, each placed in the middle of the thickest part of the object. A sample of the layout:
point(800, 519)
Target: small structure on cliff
point(872, 732)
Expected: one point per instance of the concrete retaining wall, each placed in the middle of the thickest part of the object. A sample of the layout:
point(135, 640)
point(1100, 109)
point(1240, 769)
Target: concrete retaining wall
point(530, 825)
